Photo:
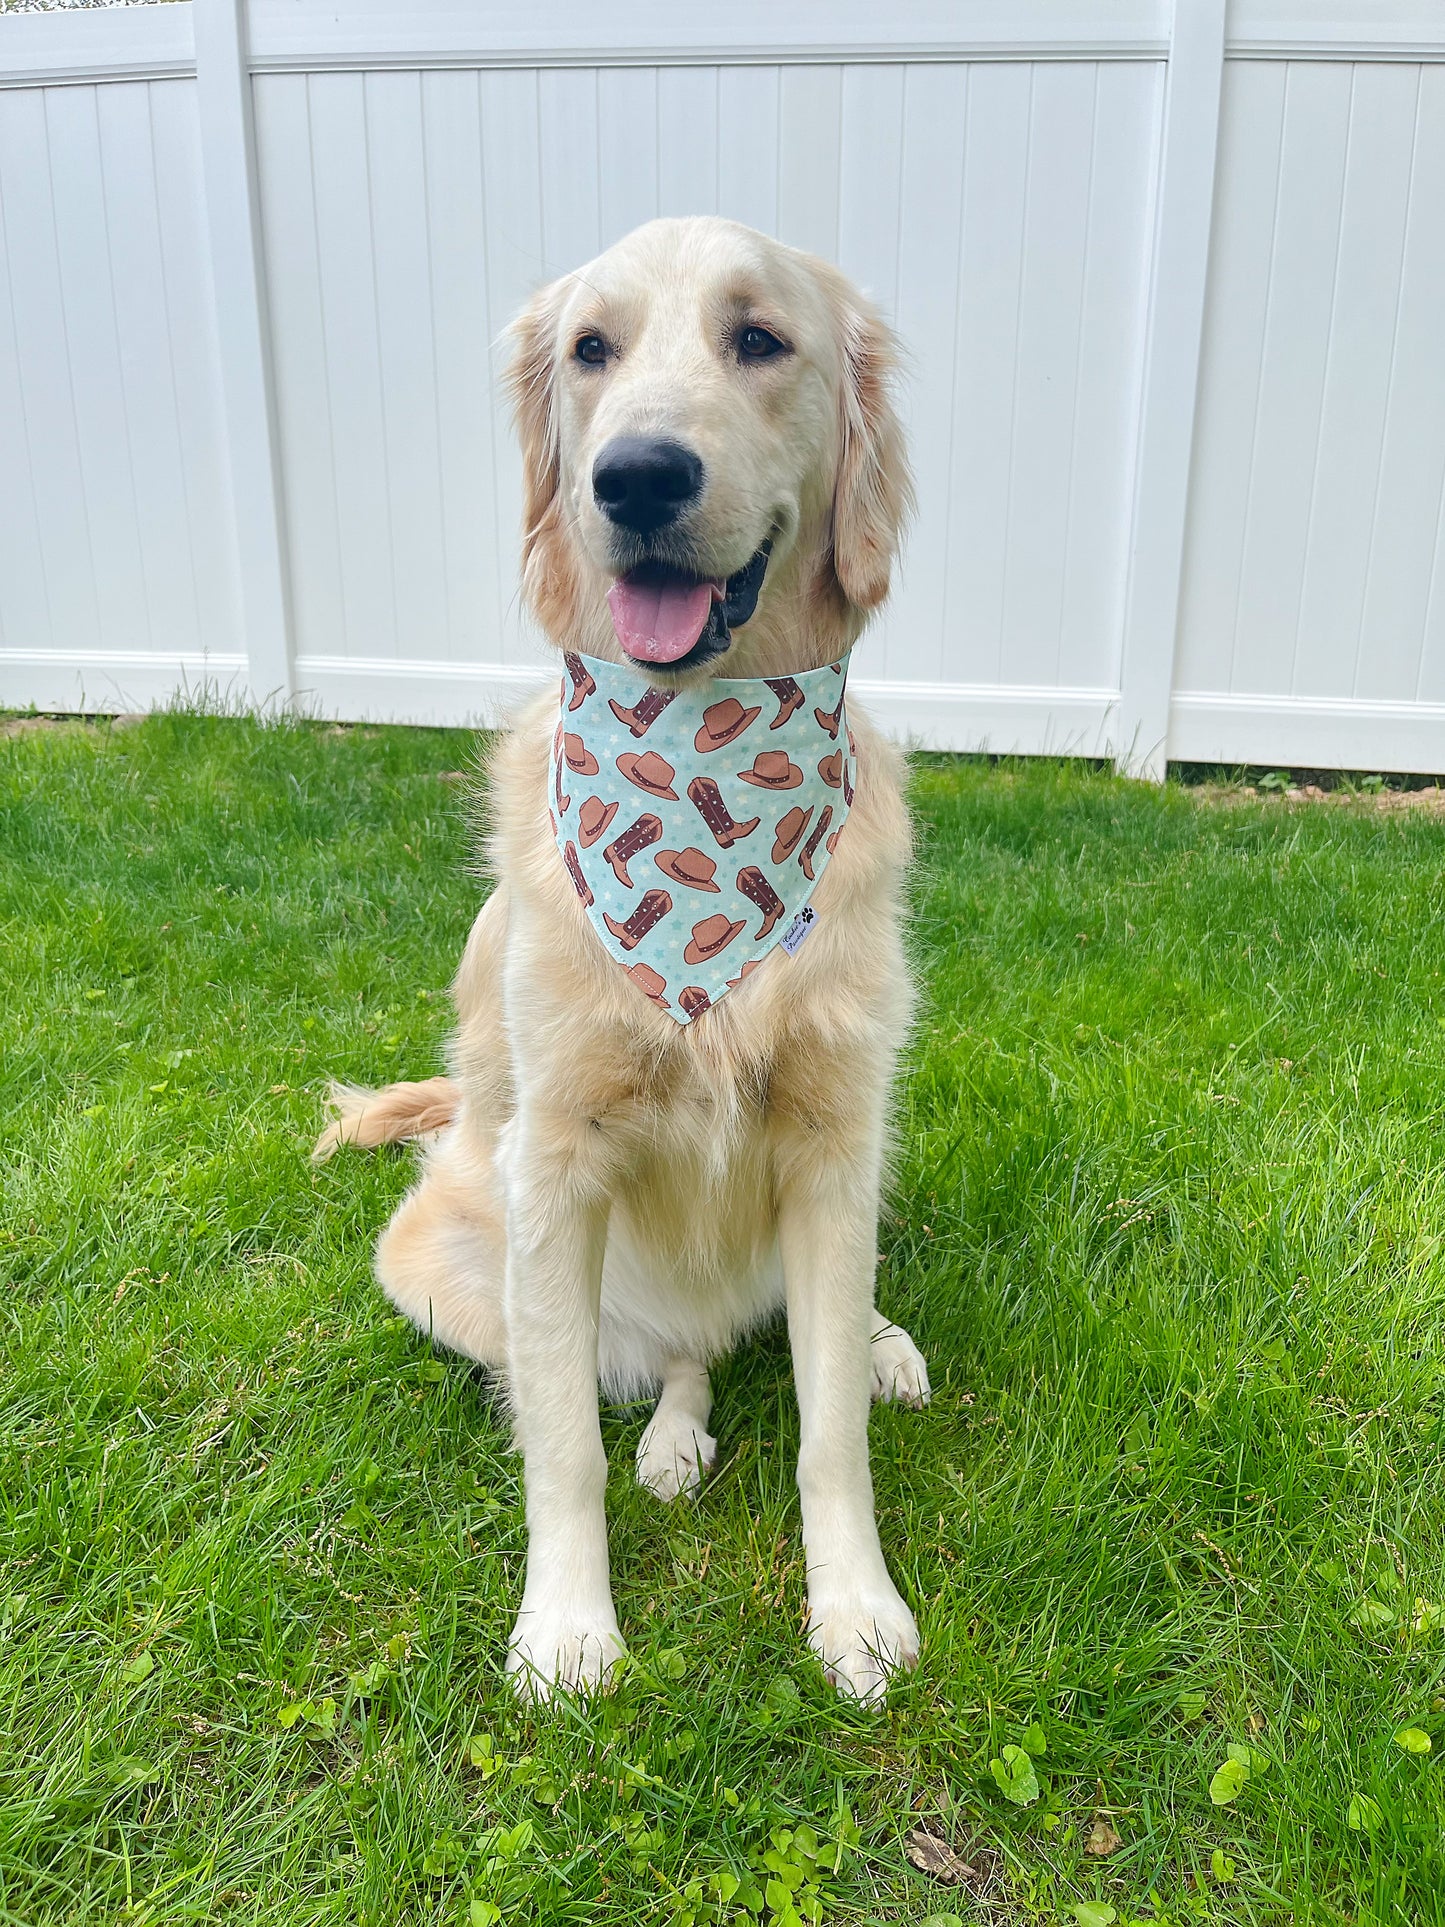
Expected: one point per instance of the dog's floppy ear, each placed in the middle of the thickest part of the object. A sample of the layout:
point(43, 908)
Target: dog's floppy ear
point(531, 378)
point(874, 492)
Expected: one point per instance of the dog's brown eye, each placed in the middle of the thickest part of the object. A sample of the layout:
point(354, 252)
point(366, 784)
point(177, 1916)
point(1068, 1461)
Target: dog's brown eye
point(592, 349)
point(757, 344)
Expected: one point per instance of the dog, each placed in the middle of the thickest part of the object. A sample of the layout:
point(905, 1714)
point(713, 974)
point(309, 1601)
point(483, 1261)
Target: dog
point(714, 484)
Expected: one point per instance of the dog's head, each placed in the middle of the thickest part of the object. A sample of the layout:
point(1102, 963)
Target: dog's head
point(710, 451)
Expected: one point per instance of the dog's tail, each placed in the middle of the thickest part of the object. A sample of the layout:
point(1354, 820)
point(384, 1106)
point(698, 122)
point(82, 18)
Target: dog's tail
point(368, 1118)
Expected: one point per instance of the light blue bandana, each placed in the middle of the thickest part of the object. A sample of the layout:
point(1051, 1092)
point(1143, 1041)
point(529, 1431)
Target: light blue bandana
point(695, 823)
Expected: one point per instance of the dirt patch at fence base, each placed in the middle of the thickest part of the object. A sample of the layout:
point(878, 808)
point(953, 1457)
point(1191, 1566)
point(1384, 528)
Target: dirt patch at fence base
point(1382, 802)
point(41, 725)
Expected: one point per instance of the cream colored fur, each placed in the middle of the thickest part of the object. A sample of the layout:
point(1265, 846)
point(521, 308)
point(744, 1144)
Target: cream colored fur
point(609, 1196)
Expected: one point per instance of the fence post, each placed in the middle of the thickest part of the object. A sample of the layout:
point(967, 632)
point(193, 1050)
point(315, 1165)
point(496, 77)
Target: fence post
point(228, 163)
point(1173, 334)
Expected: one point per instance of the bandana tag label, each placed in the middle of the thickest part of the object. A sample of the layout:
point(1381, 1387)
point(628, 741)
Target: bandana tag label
point(793, 937)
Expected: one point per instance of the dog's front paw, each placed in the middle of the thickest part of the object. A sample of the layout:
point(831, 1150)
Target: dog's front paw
point(863, 1640)
point(554, 1650)
point(673, 1454)
point(899, 1373)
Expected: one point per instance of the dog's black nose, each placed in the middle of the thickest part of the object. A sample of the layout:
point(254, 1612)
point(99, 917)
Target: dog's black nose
point(643, 482)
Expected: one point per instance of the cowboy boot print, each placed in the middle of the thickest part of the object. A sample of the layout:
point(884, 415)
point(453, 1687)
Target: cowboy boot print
point(583, 684)
point(633, 840)
point(574, 870)
point(756, 888)
point(644, 712)
point(707, 800)
point(648, 914)
point(810, 848)
point(715, 814)
point(789, 695)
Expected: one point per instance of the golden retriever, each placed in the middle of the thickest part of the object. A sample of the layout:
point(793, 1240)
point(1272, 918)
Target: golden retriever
point(609, 1194)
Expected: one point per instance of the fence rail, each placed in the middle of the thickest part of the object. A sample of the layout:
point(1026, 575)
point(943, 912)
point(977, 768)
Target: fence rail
point(1170, 278)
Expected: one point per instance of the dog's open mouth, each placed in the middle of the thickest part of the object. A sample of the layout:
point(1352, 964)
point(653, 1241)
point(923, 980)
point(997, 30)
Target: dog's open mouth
point(670, 619)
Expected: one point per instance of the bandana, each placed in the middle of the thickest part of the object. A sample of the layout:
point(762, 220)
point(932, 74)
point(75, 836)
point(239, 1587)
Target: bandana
point(695, 823)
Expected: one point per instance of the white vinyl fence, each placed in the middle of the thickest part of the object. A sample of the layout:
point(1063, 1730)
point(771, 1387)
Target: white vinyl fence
point(1171, 275)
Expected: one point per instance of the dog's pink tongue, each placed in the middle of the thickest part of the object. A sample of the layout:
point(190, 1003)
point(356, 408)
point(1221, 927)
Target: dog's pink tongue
point(659, 621)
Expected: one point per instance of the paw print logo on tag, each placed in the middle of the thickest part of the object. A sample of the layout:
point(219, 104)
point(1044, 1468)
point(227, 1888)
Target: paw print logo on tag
point(793, 937)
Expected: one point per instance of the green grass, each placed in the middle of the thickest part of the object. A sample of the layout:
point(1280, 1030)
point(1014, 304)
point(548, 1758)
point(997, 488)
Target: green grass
point(1169, 1224)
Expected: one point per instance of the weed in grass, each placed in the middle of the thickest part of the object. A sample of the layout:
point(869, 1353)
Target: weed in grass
point(1169, 1223)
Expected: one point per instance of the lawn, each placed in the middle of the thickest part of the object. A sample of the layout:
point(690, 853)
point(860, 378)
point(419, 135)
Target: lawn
point(1169, 1223)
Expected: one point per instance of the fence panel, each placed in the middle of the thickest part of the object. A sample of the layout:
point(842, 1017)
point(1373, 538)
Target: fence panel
point(117, 563)
point(1313, 621)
